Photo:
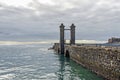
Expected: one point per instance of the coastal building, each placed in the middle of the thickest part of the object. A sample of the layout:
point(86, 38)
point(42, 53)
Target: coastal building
point(114, 40)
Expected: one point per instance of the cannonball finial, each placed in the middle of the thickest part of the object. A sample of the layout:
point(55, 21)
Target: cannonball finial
point(72, 26)
point(62, 26)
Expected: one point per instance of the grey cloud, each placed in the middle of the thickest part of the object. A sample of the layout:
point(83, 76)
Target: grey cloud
point(93, 18)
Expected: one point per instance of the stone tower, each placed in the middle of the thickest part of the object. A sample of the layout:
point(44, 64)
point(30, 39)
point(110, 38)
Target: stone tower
point(72, 40)
point(72, 31)
point(62, 38)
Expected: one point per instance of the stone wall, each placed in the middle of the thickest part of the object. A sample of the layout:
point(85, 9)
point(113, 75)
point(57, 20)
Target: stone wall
point(56, 47)
point(104, 61)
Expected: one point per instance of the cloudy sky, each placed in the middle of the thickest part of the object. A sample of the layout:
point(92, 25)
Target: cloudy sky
point(40, 19)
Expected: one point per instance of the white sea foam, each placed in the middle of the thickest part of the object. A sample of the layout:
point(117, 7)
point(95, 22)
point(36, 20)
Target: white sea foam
point(20, 68)
point(46, 42)
point(7, 76)
point(20, 43)
point(50, 75)
point(43, 49)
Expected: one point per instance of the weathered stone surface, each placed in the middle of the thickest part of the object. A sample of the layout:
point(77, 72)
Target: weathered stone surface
point(104, 61)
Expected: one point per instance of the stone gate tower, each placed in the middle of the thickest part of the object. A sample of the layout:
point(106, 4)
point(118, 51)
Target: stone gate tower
point(62, 38)
point(72, 39)
point(72, 31)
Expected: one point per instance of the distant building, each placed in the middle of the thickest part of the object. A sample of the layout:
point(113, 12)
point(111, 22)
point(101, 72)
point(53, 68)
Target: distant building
point(114, 40)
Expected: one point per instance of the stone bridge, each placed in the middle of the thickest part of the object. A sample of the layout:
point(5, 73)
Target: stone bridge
point(104, 61)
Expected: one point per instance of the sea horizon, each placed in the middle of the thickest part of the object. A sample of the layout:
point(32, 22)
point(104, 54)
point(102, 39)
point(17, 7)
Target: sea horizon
point(21, 42)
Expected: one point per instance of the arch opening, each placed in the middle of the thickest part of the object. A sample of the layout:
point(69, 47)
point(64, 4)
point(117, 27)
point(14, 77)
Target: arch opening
point(67, 54)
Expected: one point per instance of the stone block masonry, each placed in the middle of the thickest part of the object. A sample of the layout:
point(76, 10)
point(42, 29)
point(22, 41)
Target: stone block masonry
point(104, 61)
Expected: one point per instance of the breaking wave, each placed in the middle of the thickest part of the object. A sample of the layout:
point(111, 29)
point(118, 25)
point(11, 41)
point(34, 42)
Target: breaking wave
point(45, 42)
point(7, 76)
point(22, 43)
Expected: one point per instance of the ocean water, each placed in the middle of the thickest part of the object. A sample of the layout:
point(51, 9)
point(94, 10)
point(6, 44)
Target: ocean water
point(36, 62)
